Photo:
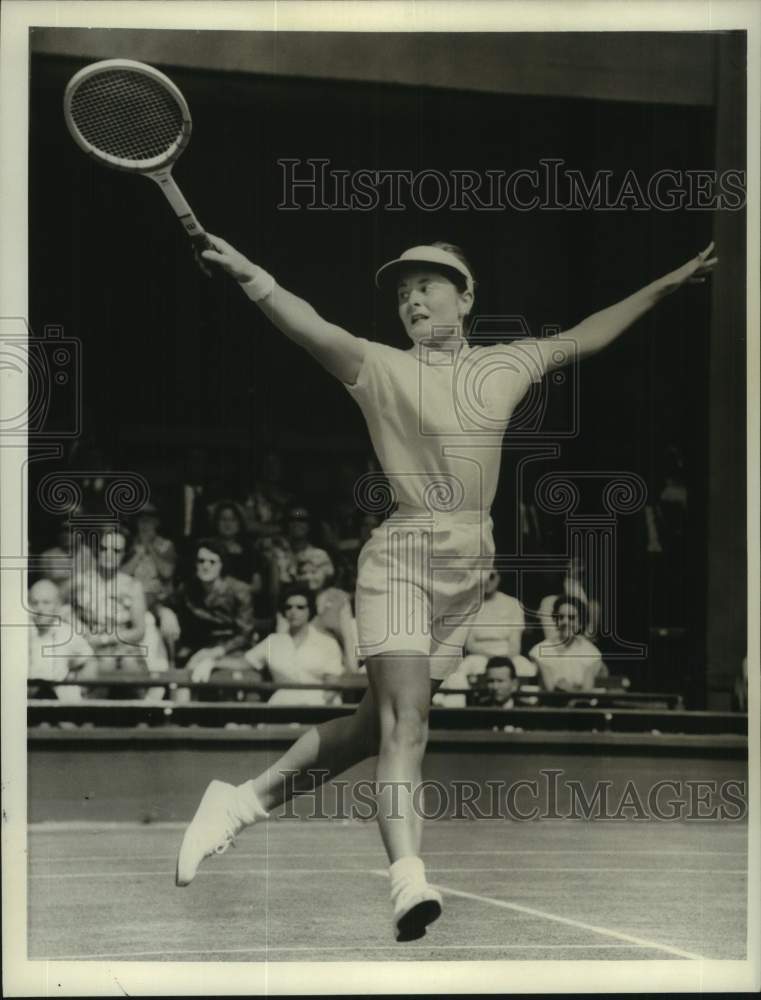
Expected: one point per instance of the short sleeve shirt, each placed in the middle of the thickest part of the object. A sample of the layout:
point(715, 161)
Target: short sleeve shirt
point(576, 664)
point(305, 663)
point(497, 627)
point(436, 419)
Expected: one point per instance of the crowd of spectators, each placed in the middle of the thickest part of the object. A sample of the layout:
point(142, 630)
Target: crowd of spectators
point(241, 587)
point(123, 610)
point(260, 586)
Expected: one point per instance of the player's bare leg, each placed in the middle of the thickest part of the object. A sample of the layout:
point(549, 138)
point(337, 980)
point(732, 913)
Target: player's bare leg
point(321, 753)
point(402, 691)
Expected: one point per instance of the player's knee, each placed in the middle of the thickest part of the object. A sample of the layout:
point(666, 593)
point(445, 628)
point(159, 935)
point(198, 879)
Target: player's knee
point(405, 729)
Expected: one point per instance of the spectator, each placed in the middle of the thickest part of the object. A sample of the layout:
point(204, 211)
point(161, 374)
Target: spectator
point(497, 627)
point(152, 559)
point(334, 615)
point(571, 662)
point(266, 503)
point(69, 557)
point(56, 651)
point(467, 675)
point(111, 606)
point(573, 585)
point(228, 527)
point(501, 681)
point(298, 531)
point(301, 655)
point(215, 612)
point(472, 674)
point(296, 543)
point(496, 630)
point(267, 558)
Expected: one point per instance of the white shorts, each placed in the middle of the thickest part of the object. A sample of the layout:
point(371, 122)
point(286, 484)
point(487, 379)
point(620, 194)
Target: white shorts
point(421, 579)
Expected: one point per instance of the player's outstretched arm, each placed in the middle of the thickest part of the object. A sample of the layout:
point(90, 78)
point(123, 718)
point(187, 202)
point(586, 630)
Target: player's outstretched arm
point(602, 328)
point(337, 350)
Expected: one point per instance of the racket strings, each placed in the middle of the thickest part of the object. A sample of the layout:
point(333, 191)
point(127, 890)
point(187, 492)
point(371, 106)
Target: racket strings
point(127, 115)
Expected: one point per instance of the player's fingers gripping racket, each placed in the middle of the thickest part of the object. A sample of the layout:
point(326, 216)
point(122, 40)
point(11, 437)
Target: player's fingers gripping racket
point(129, 116)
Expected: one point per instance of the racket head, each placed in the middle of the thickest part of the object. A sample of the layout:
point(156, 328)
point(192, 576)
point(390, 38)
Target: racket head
point(127, 115)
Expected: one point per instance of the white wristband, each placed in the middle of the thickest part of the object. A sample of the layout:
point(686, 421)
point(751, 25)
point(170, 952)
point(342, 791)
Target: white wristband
point(260, 286)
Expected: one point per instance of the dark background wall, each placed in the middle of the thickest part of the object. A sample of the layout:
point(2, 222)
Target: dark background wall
point(174, 361)
point(174, 350)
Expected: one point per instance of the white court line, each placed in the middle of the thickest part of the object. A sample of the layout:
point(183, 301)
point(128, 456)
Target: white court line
point(375, 854)
point(93, 826)
point(366, 871)
point(591, 871)
point(210, 871)
point(397, 948)
point(619, 935)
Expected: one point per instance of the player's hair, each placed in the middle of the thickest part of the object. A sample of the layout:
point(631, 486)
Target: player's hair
point(581, 609)
point(460, 255)
point(297, 590)
point(501, 661)
point(458, 279)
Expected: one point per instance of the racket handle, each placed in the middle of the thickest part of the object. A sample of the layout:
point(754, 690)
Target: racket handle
point(182, 210)
point(201, 242)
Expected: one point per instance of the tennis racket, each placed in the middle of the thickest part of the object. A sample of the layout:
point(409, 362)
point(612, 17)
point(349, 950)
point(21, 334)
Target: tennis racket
point(129, 116)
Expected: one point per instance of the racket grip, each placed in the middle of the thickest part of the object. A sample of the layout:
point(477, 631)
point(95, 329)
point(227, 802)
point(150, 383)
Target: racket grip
point(201, 242)
point(182, 210)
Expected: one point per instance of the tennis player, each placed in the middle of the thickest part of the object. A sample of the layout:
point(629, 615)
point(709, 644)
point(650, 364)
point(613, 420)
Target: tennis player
point(421, 573)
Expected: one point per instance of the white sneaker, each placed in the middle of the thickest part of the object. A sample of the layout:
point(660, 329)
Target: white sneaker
point(416, 904)
point(214, 827)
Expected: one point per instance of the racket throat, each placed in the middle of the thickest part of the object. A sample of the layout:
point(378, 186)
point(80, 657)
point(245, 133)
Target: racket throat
point(176, 199)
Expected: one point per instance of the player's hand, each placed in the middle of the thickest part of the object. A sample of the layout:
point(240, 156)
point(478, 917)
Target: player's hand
point(694, 272)
point(229, 260)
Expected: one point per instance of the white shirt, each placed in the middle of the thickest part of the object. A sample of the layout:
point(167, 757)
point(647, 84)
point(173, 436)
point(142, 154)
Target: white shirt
point(576, 664)
point(441, 420)
point(497, 627)
point(303, 663)
point(54, 652)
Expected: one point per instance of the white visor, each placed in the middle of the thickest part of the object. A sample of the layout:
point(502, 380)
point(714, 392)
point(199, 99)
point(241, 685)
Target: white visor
point(424, 255)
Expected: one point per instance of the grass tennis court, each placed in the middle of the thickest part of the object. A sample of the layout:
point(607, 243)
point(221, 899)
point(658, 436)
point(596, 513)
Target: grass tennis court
point(317, 891)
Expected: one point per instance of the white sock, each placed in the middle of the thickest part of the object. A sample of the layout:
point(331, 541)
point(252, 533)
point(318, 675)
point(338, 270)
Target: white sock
point(247, 802)
point(407, 869)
